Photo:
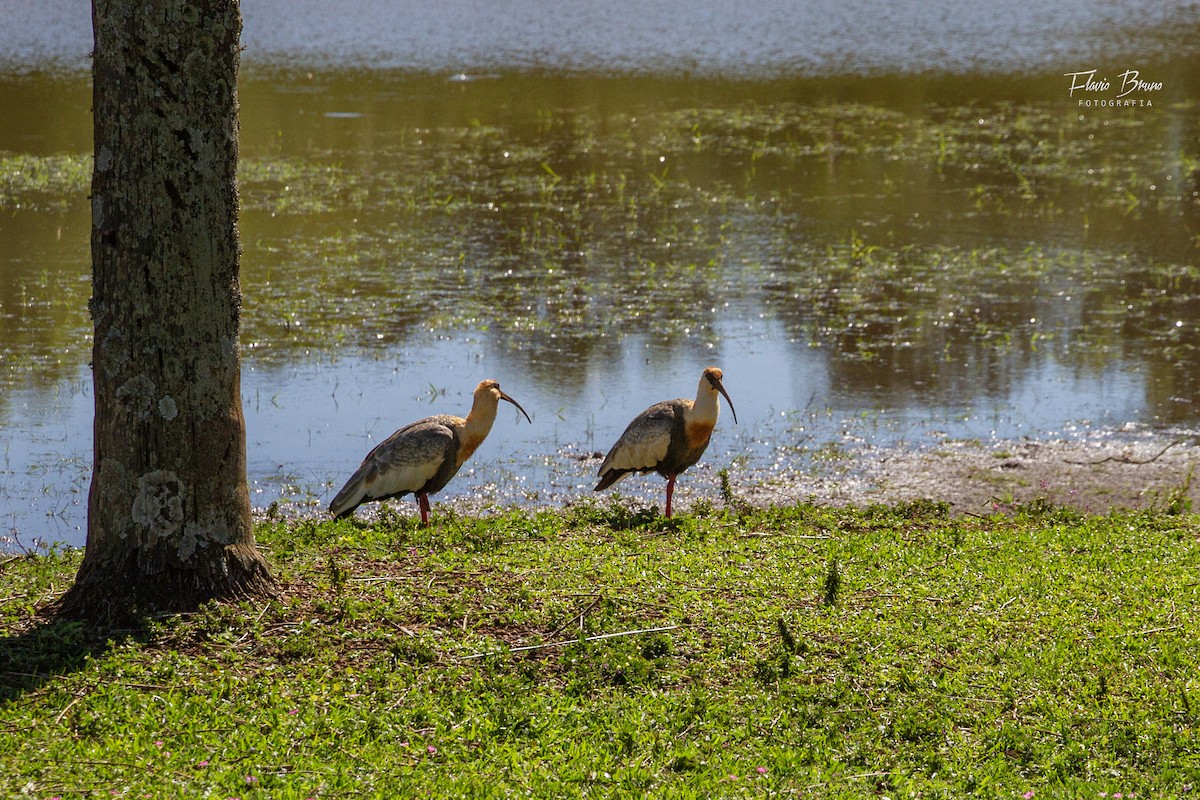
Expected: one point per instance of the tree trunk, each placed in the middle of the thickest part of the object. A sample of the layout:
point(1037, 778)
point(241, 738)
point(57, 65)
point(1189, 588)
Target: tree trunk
point(169, 511)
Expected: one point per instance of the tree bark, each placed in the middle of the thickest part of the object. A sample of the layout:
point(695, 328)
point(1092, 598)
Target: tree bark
point(169, 522)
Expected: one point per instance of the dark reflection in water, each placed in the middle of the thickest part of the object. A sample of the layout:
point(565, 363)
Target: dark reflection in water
point(887, 258)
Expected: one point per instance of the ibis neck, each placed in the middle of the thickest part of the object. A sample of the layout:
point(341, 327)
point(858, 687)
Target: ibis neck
point(707, 407)
point(479, 421)
point(475, 430)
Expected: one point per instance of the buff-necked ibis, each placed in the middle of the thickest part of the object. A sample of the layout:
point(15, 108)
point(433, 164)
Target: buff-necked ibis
point(667, 437)
point(422, 456)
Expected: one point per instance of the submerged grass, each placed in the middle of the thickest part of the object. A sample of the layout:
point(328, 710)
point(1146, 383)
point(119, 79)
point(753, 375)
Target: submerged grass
point(751, 652)
point(965, 231)
point(43, 182)
point(944, 233)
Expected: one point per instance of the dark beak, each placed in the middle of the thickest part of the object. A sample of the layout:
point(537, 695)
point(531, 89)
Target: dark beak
point(503, 396)
point(717, 385)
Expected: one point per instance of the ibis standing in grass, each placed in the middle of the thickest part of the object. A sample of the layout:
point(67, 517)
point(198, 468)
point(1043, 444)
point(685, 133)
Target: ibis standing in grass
point(667, 437)
point(423, 456)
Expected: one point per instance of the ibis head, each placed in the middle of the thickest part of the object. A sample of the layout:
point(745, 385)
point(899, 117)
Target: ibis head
point(710, 384)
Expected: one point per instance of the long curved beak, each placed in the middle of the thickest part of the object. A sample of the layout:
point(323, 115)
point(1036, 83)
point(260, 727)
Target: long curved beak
point(717, 385)
point(503, 396)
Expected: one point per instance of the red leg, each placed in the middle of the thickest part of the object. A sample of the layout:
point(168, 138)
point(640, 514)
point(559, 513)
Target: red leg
point(423, 504)
point(670, 492)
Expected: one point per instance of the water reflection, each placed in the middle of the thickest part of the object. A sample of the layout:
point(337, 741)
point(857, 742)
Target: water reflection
point(881, 259)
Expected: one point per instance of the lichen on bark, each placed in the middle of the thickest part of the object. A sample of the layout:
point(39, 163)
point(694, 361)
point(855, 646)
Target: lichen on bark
point(158, 506)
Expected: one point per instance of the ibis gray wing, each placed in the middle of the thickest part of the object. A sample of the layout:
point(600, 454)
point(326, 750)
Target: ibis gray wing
point(645, 441)
point(410, 458)
point(404, 462)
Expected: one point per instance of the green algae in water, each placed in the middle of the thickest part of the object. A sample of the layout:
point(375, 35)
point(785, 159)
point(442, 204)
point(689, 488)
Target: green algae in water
point(43, 182)
point(912, 238)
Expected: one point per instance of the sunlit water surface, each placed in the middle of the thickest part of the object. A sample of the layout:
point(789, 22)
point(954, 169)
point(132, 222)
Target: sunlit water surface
point(890, 225)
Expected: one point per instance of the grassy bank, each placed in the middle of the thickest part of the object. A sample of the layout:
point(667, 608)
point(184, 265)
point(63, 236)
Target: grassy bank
point(804, 651)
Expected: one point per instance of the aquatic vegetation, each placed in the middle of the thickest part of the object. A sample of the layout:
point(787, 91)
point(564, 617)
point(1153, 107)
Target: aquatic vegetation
point(867, 229)
point(295, 186)
point(43, 183)
point(586, 228)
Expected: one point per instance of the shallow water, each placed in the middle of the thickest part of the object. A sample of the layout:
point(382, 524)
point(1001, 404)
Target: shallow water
point(882, 239)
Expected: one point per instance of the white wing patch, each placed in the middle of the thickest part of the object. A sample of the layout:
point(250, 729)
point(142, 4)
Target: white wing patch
point(400, 478)
point(410, 457)
point(644, 443)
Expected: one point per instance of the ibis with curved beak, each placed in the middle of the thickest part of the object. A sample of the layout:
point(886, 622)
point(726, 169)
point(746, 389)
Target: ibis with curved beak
point(667, 437)
point(422, 456)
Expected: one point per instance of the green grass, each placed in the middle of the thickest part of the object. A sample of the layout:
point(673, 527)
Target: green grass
point(799, 651)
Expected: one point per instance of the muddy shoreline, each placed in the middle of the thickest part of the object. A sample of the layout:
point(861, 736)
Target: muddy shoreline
point(1099, 475)
point(1096, 474)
